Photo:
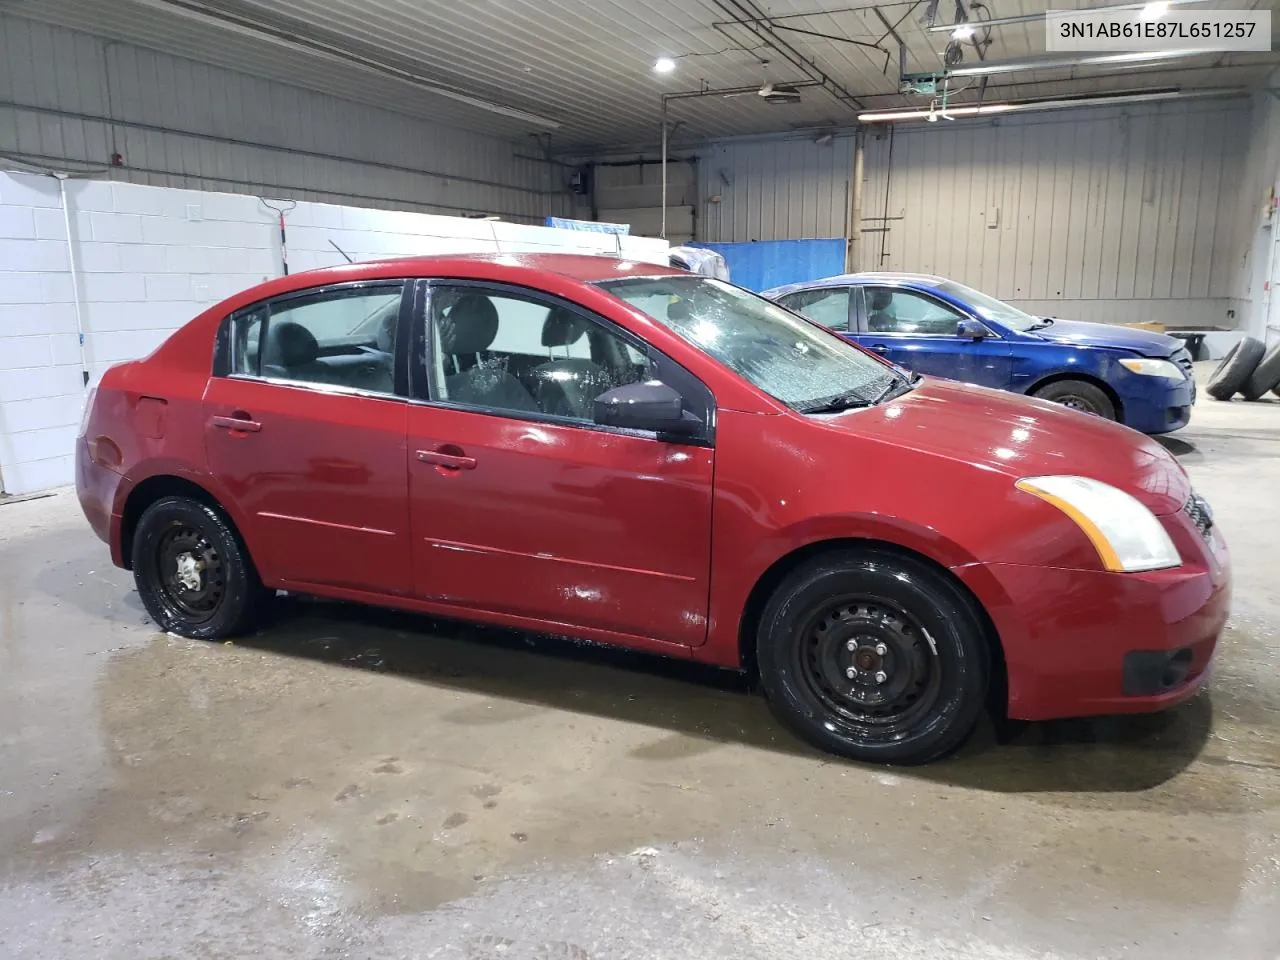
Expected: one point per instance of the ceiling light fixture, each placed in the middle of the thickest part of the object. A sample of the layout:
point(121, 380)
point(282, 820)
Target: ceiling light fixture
point(987, 109)
point(663, 65)
point(1154, 10)
point(962, 32)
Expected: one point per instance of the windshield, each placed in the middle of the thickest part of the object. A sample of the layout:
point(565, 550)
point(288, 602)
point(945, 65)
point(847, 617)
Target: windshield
point(989, 308)
point(803, 366)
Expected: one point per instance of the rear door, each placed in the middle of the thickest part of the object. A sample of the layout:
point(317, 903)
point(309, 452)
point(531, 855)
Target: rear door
point(919, 332)
point(521, 505)
point(305, 426)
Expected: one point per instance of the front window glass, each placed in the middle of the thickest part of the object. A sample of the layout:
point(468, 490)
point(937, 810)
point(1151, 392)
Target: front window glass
point(806, 368)
point(989, 308)
point(892, 310)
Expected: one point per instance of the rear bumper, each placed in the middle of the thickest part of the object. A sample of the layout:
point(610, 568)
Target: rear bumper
point(97, 487)
point(1155, 405)
point(1085, 643)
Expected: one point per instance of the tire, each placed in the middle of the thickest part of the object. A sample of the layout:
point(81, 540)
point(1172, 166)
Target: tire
point(229, 595)
point(1265, 376)
point(1079, 395)
point(1235, 369)
point(922, 660)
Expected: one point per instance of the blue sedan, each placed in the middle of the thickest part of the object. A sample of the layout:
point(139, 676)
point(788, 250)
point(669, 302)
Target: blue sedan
point(941, 328)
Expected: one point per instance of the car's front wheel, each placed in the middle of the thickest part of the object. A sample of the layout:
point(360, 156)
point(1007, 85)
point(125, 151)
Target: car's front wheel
point(1079, 395)
point(192, 572)
point(875, 656)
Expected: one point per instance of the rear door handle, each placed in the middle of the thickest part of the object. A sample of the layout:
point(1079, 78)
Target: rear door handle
point(880, 348)
point(454, 461)
point(243, 424)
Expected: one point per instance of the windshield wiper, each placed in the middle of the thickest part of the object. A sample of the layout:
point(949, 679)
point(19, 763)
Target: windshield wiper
point(843, 401)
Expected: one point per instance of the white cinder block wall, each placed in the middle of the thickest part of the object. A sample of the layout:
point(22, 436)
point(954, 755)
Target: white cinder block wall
point(147, 259)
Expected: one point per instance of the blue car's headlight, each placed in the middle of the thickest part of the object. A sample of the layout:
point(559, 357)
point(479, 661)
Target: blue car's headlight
point(1153, 368)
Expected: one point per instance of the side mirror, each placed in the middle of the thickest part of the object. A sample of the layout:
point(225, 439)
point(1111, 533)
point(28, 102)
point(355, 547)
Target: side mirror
point(968, 329)
point(651, 405)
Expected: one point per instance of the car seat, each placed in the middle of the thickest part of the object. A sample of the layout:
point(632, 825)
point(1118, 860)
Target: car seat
point(292, 353)
point(880, 318)
point(467, 330)
point(568, 387)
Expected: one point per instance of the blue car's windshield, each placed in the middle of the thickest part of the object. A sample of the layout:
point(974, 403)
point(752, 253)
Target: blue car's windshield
point(798, 363)
point(989, 308)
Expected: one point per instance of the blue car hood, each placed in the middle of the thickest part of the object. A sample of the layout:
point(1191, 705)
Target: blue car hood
point(1109, 335)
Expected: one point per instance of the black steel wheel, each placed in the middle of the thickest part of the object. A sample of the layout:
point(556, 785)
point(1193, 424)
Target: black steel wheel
point(193, 574)
point(1079, 395)
point(874, 655)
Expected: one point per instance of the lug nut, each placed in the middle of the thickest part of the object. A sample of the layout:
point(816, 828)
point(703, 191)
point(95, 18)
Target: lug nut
point(881, 649)
point(881, 676)
point(851, 672)
point(851, 646)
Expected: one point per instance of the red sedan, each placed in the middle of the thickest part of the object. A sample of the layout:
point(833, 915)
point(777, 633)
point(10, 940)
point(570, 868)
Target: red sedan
point(639, 456)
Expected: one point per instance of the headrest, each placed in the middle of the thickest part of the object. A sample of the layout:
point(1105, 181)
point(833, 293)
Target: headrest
point(290, 344)
point(386, 336)
point(562, 328)
point(470, 325)
point(881, 299)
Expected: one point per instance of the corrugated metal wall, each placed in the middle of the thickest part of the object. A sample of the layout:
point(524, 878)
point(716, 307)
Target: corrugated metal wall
point(1078, 212)
point(775, 189)
point(185, 124)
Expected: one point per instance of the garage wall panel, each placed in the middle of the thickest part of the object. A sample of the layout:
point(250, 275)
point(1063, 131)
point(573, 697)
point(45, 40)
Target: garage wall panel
point(69, 100)
point(775, 189)
point(1081, 207)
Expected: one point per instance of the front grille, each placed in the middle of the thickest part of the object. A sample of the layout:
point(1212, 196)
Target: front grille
point(1197, 508)
point(1182, 357)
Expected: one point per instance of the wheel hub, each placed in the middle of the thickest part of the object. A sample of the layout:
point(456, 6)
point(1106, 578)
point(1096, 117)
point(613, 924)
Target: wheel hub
point(869, 660)
point(188, 572)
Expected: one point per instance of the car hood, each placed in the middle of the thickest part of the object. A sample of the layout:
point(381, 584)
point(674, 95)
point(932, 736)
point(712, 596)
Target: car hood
point(1109, 335)
point(1021, 437)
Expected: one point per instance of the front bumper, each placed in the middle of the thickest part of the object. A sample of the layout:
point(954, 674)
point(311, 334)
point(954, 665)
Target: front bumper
point(1086, 643)
point(1155, 404)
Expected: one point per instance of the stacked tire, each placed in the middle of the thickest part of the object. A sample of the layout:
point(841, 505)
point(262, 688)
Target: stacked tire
point(1249, 369)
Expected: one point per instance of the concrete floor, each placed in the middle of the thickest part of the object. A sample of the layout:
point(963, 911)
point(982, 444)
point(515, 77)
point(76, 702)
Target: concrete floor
point(356, 784)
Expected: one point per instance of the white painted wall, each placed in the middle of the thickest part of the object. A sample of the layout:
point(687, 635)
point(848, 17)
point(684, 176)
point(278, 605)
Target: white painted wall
point(147, 259)
point(69, 100)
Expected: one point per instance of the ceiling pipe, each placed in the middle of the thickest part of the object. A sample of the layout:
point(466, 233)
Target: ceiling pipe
point(1033, 17)
point(281, 37)
point(997, 109)
point(750, 17)
point(1139, 58)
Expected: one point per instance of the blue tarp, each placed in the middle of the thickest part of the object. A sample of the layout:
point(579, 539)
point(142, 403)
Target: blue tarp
point(594, 226)
point(771, 263)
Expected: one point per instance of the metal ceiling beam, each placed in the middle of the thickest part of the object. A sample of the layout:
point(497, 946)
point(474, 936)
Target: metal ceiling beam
point(973, 110)
point(282, 36)
point(1033, 17)
point(750, 17)
point(1133, 59)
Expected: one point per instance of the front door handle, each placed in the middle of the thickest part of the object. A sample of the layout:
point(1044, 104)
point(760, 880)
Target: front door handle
point(453, 461)
point(243, 424)
point(880, 347)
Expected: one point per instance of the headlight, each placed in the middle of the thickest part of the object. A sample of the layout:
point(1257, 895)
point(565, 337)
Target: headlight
point(1127, 535)
point(1153, 368)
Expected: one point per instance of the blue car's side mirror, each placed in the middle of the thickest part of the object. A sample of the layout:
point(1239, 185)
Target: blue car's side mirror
point(971, 330)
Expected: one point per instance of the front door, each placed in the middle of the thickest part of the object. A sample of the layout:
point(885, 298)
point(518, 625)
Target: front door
point(919, 332)
point(306, 430)
point(520, 505)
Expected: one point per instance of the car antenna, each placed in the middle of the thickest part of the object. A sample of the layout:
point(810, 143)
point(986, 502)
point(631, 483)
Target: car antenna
point(345, 256)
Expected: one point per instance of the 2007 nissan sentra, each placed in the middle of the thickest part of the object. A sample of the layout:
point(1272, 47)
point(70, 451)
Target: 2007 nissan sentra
point(637, 456)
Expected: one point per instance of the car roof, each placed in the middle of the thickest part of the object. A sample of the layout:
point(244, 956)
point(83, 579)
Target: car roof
point(917, 279)
point(576, 266)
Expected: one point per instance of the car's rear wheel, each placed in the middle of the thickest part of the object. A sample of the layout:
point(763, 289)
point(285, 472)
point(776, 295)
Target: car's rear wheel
point(874, 656)
point(192, 572)
point(1079, 395)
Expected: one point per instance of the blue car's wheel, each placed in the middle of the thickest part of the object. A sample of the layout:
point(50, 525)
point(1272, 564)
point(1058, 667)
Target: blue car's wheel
point(1079, 395)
